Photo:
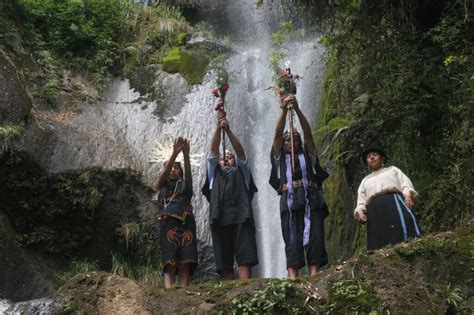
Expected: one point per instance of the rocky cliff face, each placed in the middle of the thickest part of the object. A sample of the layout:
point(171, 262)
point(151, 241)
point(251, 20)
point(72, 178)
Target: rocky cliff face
point(115, 139)
point(15, 103)
point(22, 276)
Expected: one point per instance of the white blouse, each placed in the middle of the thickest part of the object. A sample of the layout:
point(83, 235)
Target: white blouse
point(384, 180)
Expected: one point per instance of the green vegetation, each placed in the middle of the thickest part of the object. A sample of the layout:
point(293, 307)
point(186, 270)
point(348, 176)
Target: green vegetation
point(137, 257)
point(278, 296)
point(401, 75)
point(80, 265)
point(451, 297)
point(350, 295)
point(136, 243)
point(97, 38)
point(192, 65)
point(7, 134)
point(56, 213)
point(282, 35)
point(148, 274)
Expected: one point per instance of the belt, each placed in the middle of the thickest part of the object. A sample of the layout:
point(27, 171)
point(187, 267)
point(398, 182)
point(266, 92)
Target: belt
point(297, 184)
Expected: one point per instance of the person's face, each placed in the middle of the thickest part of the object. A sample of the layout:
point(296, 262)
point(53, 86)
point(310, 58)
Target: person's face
point(230, 161)
point(175, 172)
point(287, 143)
point(374, 160)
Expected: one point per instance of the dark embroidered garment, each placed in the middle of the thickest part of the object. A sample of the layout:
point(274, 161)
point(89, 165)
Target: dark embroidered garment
point(302, 208)
point(230, 201)
point(177, 225)
point(174, 200)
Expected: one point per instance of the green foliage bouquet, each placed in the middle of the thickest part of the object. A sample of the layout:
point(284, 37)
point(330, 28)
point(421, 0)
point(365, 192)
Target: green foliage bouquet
point(284, 81)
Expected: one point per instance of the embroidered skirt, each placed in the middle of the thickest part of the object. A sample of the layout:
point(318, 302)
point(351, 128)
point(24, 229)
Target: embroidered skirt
point(389, 221)
point(178, 242)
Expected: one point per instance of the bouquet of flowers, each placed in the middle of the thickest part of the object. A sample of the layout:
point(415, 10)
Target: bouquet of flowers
point(285, 81)
point(220, 91)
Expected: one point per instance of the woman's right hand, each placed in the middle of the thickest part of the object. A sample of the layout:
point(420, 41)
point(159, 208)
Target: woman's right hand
point(362, 217)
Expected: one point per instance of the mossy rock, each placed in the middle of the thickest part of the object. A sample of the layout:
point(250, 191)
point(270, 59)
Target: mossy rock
point(190, 64)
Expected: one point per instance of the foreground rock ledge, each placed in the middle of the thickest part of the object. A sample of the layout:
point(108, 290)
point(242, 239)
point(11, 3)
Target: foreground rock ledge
point(415, 277)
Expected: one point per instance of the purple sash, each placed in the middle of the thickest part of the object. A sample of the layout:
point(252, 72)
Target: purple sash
point(289, 199)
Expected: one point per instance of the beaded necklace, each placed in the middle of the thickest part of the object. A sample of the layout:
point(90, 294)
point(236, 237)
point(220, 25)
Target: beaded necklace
point(166, 204)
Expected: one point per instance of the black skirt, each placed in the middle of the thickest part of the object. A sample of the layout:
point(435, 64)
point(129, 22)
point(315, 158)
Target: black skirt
point(389, 221)
point(295, 251)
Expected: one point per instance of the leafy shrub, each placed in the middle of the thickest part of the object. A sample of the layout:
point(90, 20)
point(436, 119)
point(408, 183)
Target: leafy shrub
point(96, 37)
point(80, 265)
point(7, 134)
point(350, 295)
point(402, 77)
point(56, 213)
point(9, 35)
point(275, 297)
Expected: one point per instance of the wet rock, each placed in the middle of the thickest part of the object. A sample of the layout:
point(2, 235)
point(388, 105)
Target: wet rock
point(15, 103)
point(206, 308)
point(213, 45)
point(42, 306)
point(22, 277)
point(103, 293)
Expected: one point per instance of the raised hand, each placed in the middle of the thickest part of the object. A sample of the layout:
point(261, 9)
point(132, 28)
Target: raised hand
point(178, 145)
point(289, 101)
point(224, 123)
point(186, 147)
point(222, 120)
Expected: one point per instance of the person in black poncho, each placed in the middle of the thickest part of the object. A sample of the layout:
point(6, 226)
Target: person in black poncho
point(302, 207)
point(177, 225)
point(229, 188)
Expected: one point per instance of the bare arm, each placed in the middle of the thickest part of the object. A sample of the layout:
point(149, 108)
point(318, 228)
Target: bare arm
point(279, 129)
point(215, 141)
point(177, 147)
point(188, 178)
point(239, 149)
point(308, 136)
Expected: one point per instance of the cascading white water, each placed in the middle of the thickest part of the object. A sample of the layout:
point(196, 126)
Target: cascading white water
point(122, 131)
point(254, 110)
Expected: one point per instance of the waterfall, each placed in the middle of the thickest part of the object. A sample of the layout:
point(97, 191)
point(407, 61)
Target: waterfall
point(38, 306)
point(253, 110)
point(122, 131)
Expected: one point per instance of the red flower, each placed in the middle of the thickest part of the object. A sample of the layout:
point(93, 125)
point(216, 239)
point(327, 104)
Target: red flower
point(225, 87)
point(219, 106)
point(215, 92)
point(164, 217)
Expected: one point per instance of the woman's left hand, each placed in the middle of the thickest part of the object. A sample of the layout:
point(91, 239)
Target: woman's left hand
point(409, 201)
point(186, 147)
point(362, 217)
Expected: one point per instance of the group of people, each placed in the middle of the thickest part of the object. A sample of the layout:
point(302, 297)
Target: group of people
point(385, 199)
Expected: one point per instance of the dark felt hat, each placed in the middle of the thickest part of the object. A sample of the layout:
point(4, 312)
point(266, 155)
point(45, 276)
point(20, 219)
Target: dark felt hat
point(373, 148)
